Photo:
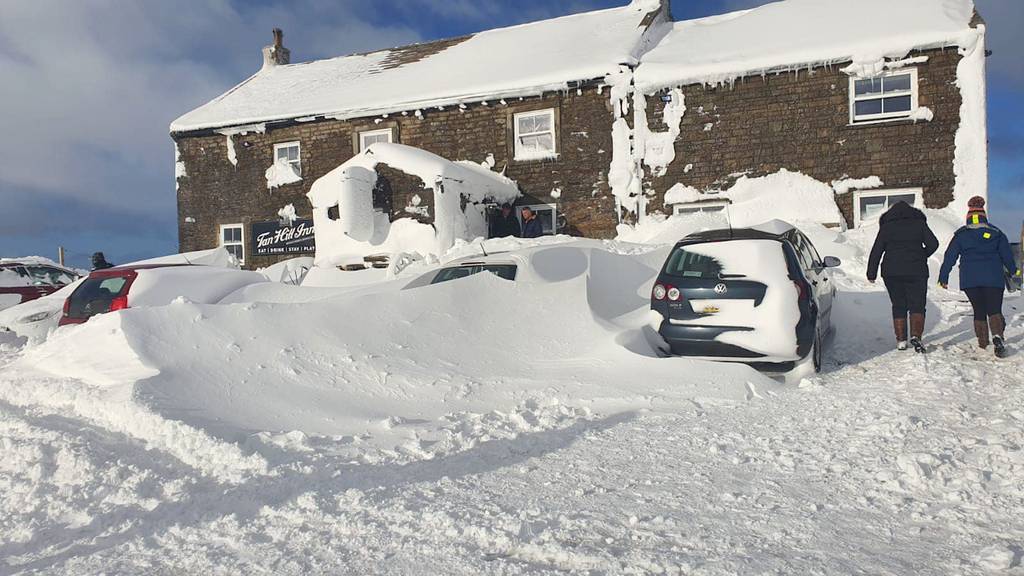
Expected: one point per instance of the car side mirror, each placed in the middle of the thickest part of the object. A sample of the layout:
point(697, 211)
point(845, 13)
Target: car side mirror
point(832, 262)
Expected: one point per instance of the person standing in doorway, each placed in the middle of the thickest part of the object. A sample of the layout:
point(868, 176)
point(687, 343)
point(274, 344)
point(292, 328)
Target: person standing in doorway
point(903, 246)
point(531, 225)
point(985, 261)
point(505, 223)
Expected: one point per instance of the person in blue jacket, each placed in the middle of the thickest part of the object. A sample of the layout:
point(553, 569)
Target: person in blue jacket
point(531, 225)
point(985, 259)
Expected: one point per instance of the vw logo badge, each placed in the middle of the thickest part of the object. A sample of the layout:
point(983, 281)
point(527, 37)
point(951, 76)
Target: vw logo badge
point(721, 289)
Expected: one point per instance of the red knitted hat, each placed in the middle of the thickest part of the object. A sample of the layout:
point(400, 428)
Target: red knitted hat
point(977, 203)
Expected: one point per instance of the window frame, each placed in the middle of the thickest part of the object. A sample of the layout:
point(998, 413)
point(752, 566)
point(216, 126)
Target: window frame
point(700, 206)
point(860, 195)
point(240, 226)
point(295, 164)
point(518, 154)
point(366, 133)
point(858, 120)
point(536, 210)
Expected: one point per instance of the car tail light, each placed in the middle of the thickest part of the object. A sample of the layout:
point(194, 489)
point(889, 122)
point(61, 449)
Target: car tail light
point(67, 305)
point(118, 303)
point(802, 289)
point(659, 292)
point(674, 294)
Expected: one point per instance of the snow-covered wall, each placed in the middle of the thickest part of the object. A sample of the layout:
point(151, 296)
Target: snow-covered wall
point(460, 191)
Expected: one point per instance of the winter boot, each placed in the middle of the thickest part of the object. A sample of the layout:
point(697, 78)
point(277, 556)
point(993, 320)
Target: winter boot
point(998, 324)
point(917, 332)
point(981, 331)
point(899, 325)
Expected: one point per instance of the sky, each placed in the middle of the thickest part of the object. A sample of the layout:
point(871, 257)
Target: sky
point(91, 87)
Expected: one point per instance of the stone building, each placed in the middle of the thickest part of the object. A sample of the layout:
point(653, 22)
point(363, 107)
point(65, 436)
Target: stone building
point(597, 116)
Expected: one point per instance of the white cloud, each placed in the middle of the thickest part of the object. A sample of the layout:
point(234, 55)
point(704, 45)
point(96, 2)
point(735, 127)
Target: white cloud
point(91, 87)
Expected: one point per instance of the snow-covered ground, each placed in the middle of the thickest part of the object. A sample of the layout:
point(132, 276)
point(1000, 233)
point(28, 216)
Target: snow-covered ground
point(487, 427)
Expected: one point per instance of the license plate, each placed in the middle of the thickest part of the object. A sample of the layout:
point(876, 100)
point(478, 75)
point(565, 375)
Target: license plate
point(712, 310)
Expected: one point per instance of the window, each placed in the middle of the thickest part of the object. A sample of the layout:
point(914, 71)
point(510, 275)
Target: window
point(887, 97)
point(546, 214)
point(50, 276)
point(373, 137)
point(290, 153)
point(716, 207)
point(535, 135)
point(869, 205)
point(503, 271)
point(231, 237)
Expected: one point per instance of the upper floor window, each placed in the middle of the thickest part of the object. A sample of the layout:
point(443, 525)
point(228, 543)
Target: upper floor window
point(890, 96)
point(231, 238)
point(535, 135)
point(289, 152)
point(374, 136)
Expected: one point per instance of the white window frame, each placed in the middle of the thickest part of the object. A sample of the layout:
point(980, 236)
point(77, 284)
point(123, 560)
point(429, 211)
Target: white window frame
point(241, 243)
point(719, 205)
point(536, 208)
point(295, 164)
point(370, 133)
point(883, 117)
point(860, 195)
point(524, 155)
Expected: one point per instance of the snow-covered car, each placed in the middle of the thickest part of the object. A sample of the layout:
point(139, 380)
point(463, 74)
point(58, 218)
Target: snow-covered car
point(507, 266)
point(152, 285)
point(758, 295)
point(23, 281)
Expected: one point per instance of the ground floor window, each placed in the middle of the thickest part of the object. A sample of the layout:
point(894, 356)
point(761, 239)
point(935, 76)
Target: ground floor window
point(546, 213)
point(685, 208)
point(869, 205)
point(232, 237)
point(370, 137)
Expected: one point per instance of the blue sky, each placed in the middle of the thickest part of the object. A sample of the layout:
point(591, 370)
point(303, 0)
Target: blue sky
point(91, 87)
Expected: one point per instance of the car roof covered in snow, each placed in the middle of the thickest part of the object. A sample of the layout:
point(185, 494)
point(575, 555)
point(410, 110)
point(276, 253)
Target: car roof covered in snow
point(772, 230)
point(795, 34)
point(511, 62)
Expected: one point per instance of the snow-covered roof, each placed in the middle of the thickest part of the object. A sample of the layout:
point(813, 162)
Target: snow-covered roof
point(799, 33)
point(508, 62)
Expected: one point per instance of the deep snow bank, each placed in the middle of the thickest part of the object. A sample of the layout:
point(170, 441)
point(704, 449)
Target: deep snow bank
point(389, 363)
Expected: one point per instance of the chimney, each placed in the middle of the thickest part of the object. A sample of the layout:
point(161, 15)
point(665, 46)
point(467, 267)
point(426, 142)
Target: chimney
point(276, 53)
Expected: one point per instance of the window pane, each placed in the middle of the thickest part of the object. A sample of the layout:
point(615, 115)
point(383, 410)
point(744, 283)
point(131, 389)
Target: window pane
point(897, 104)
point(293, 153)
point(872, 208)
point(227, 235)
point(281, 153)
point(868, 107)
point(543, 122)
point(899, 83)
point(527, 124)
point(868, 86)
point(546, 142)
point(529, 143)
point(908, 198)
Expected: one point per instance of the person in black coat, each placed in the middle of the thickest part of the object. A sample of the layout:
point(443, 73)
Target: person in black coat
point(505, 224)
point(99, 261)
point(531, 225)
point(903, 246)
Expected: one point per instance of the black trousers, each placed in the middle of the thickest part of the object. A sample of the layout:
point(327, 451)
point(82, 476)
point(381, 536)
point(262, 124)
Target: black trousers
point(908, 294)
point(986, 302)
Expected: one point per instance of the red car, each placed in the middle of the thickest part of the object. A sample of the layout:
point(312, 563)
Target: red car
point(25, 281)
point(147, 285)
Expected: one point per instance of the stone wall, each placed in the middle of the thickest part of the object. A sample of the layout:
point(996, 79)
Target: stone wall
point(215, 192)
point(800, 121)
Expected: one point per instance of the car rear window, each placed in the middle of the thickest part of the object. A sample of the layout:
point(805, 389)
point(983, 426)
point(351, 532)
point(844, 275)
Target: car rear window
point(94, 295)
point(688, 264)
point(503, 271)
